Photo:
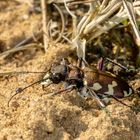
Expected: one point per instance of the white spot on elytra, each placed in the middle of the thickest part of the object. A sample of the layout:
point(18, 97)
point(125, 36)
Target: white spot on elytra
point(127, 93)
point(110, 88)
point(96, 86)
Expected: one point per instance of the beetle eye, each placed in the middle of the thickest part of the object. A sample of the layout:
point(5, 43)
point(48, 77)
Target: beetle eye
point(57, 75)
point(56, 78)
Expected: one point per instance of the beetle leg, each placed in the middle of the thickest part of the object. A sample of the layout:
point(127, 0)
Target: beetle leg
point(87, 92)
point(66, 84)
point(100, 64)
point(93, 94)
point(102, 105)
point(138, 92)
point(68, 89)
point(45, 86)
point(106, 100)
point(83, 92)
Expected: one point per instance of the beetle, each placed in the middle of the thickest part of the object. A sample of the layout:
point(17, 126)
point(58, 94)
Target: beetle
point(88, 82)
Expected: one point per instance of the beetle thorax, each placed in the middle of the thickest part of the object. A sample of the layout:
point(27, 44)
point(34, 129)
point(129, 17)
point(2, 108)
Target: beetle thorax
point(75, 77)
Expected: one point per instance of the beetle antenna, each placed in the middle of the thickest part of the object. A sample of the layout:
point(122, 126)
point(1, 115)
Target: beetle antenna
point(19, 90)
point(71, 87)
point(81, 61)
point(22, 72)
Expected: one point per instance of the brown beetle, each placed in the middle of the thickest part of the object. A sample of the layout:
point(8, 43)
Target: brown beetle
point(88, 82)
point(96, 83)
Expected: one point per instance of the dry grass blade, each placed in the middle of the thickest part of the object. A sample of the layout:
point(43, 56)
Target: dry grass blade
point(63, 23)
point(104, 4)
point(109, 23)
point(74, 19)
point(86, 19)
point(112, 22)
point(80, 2)
point(44, 22)
point(131, 15)
point(102, 17)
point(59, 1)
point(35, 36)
point(130, 12)
point(21, 48)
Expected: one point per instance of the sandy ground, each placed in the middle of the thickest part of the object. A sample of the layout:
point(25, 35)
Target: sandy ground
point(34, 116)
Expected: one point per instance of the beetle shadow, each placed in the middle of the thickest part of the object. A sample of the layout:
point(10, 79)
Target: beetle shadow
point(77, 100)
point(135, 109)
point(41, 132)
point(70, 121)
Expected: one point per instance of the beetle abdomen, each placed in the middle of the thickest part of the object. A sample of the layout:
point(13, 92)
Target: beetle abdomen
point(106, 84)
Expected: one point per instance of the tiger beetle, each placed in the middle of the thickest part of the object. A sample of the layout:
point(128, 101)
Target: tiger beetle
point(88, 82)
point(95, 83)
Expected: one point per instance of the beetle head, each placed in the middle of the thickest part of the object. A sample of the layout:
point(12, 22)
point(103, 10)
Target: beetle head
point(57, 73)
